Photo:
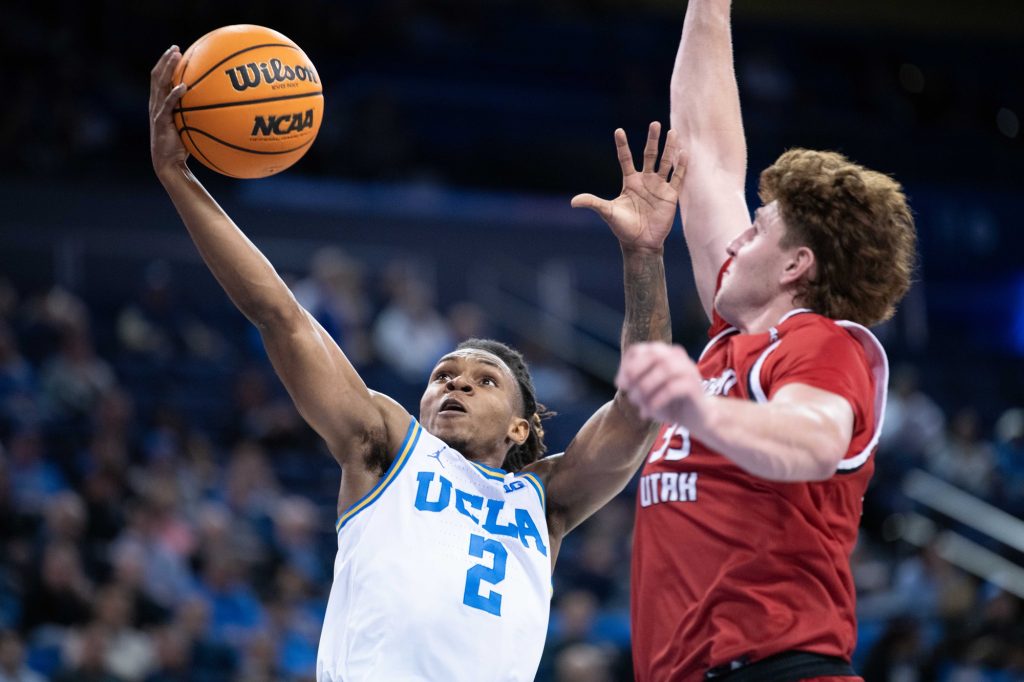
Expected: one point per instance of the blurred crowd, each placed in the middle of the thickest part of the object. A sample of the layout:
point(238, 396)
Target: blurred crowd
point(164, 512)
point(166, 515)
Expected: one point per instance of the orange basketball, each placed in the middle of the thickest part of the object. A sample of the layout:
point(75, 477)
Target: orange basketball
point(254, 101)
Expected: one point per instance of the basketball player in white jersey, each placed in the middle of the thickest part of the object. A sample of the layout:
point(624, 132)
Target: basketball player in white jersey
point(450, 524)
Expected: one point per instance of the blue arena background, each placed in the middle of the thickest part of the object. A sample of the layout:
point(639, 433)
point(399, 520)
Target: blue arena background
point(165, 514)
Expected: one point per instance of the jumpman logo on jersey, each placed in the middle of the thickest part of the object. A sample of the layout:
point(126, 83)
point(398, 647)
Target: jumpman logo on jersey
point(437, 456)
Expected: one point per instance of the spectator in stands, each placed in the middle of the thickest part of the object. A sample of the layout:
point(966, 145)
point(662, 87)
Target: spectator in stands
point(469, 321)
point(47, 318)
point(104, 470)
point(209, 660)
point(250, 487)
point(156, 326)
point(129, 654)
point(260, 661)
point(58, 591)
point(965, 459)
point(899, 653)
point(410, 335)
point(128, 575)
point(989, 640)
point(172, 657)
point(295, 620)
point(267, 417)
point(64, 522)
point(924, 586)
point(218, 531)
point(1009, 431)
point(12, 660)
point(76, 377)
point(64, 519)
point(114, 417)
point(914, 423)
point(33, 475)
point(85, 658)
point(335, 294)
point(19, 403)
point(167, 578)
point(583, 663)
point(573, 618)
point(236, 615)
point(295, 538)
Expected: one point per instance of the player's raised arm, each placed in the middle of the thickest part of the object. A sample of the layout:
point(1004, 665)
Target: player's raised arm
point(326, 389)
point(607, 450)
point(706, 116)
point(800, 434)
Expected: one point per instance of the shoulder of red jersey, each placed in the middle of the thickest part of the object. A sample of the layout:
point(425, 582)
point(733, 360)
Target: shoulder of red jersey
point(837, 356)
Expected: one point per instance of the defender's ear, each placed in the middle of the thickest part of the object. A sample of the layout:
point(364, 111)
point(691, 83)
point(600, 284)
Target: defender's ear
point(799, 264)
point(519, 430)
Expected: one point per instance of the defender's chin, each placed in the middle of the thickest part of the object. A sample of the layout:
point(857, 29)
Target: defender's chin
point(446, 426)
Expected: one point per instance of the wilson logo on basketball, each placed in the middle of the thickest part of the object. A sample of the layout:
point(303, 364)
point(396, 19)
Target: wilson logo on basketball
point(252, 74)
point(283, 124)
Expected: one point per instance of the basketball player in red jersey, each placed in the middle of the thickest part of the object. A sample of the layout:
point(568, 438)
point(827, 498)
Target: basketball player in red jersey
point(750, 499)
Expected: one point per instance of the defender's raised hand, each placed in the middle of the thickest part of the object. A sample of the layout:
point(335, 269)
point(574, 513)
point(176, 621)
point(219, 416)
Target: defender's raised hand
point(165, 145)
point(662, 382)
point(642, 215)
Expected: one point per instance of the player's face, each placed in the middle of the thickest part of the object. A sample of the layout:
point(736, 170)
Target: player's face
point(472, 404)
point(753, 278)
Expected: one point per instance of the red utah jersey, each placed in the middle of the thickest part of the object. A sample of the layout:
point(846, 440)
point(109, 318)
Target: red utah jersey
point(728, 566)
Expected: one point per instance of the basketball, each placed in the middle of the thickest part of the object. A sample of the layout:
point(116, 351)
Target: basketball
point(254, 101)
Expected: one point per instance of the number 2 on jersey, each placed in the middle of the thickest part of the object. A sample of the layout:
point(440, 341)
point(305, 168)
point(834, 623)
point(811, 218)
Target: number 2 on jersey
point(478, 545)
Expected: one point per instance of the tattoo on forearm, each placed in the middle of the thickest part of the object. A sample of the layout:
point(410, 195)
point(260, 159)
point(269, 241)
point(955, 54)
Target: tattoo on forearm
point(647, 313)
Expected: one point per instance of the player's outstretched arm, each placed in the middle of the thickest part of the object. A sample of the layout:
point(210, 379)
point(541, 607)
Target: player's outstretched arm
point(610, 446)
point(326, 389)
point(706, 116)
point(800, 434)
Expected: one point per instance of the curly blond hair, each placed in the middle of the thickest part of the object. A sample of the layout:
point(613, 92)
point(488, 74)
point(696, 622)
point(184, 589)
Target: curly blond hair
point(857, 223)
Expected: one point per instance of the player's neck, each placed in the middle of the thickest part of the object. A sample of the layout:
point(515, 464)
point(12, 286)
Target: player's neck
point(760, 320)
point(492, 459)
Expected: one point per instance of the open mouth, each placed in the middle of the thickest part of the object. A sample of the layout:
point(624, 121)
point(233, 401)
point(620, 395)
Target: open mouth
point(452, 405)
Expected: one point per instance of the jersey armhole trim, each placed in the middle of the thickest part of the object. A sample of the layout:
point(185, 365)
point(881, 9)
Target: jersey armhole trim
point(878, 365)
point(537, 486)
point(412, 436)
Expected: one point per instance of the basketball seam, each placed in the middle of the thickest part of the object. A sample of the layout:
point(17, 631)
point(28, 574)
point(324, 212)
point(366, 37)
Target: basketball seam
point(209, 162)
point(241, 149)
point(188, 131)
point(249, 101)
point(184, 124)
point(232, 56)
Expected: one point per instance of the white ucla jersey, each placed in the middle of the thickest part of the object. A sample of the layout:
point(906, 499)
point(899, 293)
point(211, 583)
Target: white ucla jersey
point(443, 573)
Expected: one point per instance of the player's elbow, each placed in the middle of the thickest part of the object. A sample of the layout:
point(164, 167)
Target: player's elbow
point(281, 314)
point(824, 455)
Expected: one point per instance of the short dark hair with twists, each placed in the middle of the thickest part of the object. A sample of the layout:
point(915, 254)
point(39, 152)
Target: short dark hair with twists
point(857, 223)
point(534, 412)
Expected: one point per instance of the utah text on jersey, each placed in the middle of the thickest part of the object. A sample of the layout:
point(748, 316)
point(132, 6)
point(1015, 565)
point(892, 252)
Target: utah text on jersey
point(672, 486)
